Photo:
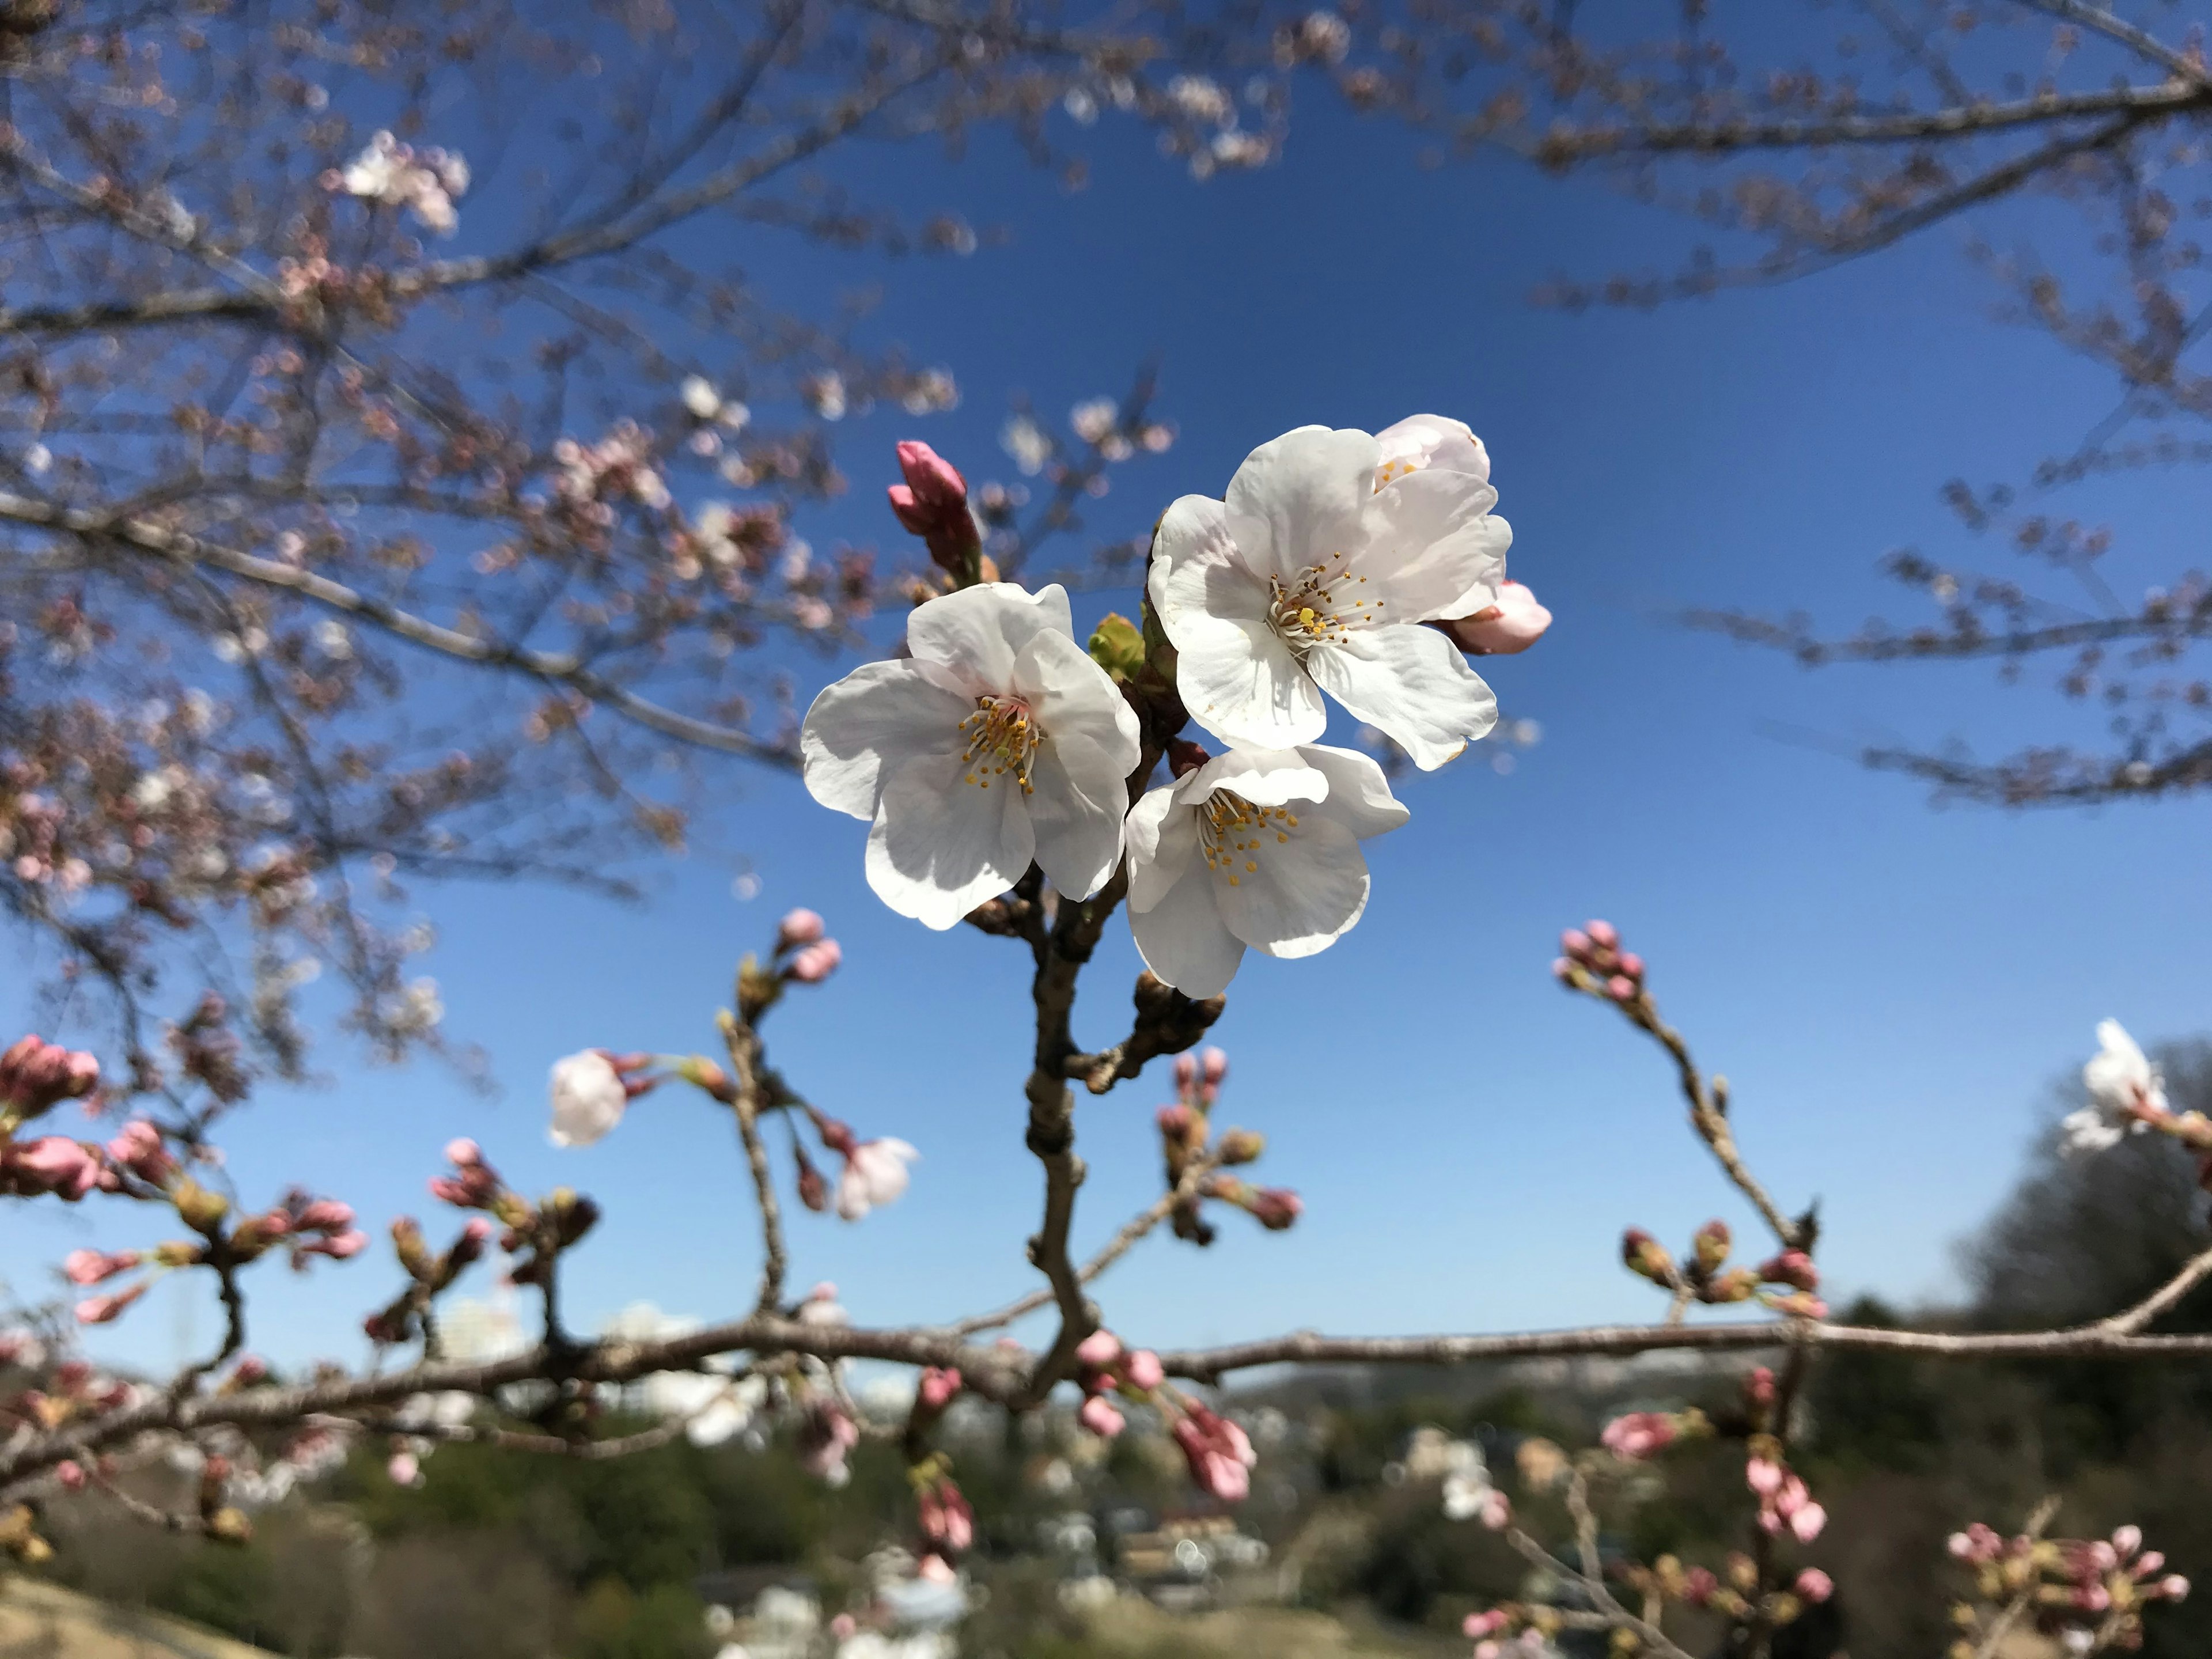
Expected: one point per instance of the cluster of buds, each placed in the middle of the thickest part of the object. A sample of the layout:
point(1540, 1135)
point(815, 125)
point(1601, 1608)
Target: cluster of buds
point(1734, 1592)
point(1641, 1435)
point(803, 955)
point(947, 1520)
point(1784, 1498)
point(36, 1075)
point(1591, 961)
point(1218, 1452)
point(1786, 1283)
point(933, 504)
point(1105, 1371)
point(430, 1273)
point(1187, 1137)
point(619, 467)
point(2089, 1593)
point(1512, 1630)
point(827, 1435)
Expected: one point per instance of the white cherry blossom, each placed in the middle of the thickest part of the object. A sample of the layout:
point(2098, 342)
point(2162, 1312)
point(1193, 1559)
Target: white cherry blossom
point(1257, 848)
point(875, 1175)
point(588, 1097)
point(1312, 574)
point(998, 741)
point(2119, 1077)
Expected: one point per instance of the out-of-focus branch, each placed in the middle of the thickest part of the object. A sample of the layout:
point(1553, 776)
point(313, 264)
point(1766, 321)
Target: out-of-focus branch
point(744, 1048)
point(1720, 138)
point(555, 667)
point(2163, 1299)
point(2018, 1606)
point(1591, 1582)
point(2184, 67)
point(1114, 1248)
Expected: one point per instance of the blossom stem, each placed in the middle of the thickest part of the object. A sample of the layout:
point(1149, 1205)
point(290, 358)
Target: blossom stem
point(2014, 1610)
point(744, 1048)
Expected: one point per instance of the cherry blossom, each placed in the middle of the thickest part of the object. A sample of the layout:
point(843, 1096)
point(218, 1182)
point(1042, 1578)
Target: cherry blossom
point(875, 1175)
point(1311, 575)
point(2120, 1079)
point(589, 1099)
point(1510, 624)
point(1253, 849)
point(425, 182)
point(997, 691)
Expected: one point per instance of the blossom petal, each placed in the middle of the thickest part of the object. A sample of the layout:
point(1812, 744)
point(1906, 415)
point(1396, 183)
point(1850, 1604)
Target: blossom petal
point(1360, 795)
point(940, 846)
point(1424, 441)
point(1162, 832)
point(1074, 698)
point(1236, 676)
point(1077, 808)
point(1433, 547)
point(1413, 683)
point(1298, 499)
point(976, 634)
point(1183, 939)
point(1295, 897)
point(1265, 777)
point(880, 715)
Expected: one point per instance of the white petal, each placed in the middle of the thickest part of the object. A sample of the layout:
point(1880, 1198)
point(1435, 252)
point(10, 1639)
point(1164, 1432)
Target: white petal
point(1294, 895)
point(1078, 802)
point(1412, 682)
point(976, 634)
point(941, 846)
point(879, 715)
point(1183, 939)
point(1297, 500)
point(1265, 777)
point(1422, 441)
point(1359, 796)
point(1432, 547)
point(1162, 835)
point(1236, 676)
point(1073, 698)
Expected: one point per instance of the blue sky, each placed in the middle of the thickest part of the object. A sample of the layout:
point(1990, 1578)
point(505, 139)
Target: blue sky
point(1890, 988)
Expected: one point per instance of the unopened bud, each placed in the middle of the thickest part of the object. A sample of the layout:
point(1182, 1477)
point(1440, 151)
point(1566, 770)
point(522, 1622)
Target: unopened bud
point(407, 1240)
point(799, 928)
point(1646, 1256)
point(1185, 757)
point(199, 1209)
point(1241, 1146)
point(1794, 1268)
point(1603, 934)
point(1711, 1245)
point(228, 1525)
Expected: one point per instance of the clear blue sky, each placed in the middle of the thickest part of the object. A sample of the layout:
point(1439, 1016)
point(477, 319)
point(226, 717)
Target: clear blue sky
point(1890, 988)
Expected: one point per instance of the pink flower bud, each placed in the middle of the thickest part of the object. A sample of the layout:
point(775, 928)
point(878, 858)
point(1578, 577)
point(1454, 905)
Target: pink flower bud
point(799, 928)
point(1758, 1387)
point(464, 1153)
point(933, 504)
point(1815, 1586)
point(2126, 1540)
point(70, 1473)
point(1699, 1586)
point(1764, 1476)
point(1186, 1070)
point(2174, 1588)
point(937, 1386)
point(324, 1215)
point(1509, 626)
point(405, 1469)
point(1640, 1435)
point(1276, 1208)
point(1098, 1350)
point(339, 1245)
point(815, 964)
point(844, 1627)
point(478, 1230)
point(1097, 1414)
point(251, 1368)
point(1144, 1371)
point(137, 1147)
point(1575, 944)
point(105, 1309)
point(1621, 988)
point(1213, 1066)
point(1631, 964)
point(1477, 1626)
point(1603, 934)
point(1793, 1267)
point(52, 1163)
point(91, 1267)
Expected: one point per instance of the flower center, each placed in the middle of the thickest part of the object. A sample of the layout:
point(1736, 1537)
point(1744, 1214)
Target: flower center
point(1319, 604)
point(1002, 737)
point(1233, 833)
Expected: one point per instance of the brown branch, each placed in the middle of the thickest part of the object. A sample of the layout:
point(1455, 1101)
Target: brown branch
point(1956, 644)
point(1592, 1585)
point(1114, 1248)
point(744, 1046)
point(2184, 67)
point(2162, 1300)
